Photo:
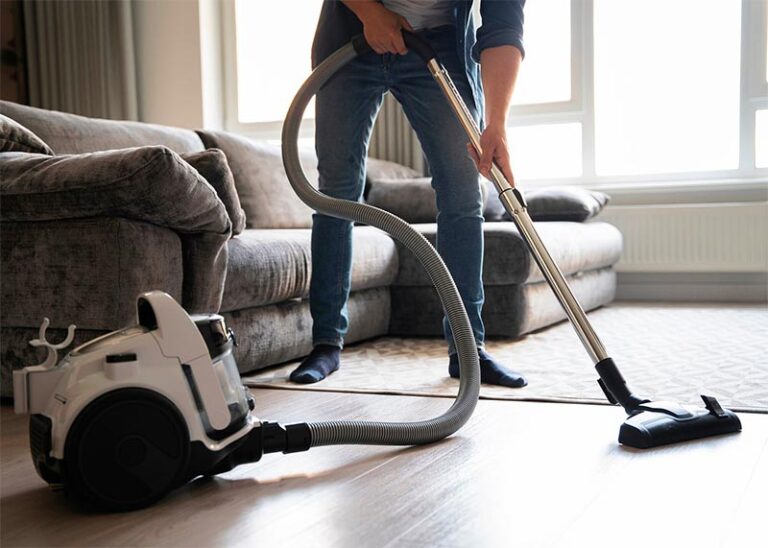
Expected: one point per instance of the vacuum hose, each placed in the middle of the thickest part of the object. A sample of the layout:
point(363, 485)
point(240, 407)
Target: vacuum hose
point(384, 433)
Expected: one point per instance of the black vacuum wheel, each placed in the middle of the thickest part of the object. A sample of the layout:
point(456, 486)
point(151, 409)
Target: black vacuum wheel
point(126, 450)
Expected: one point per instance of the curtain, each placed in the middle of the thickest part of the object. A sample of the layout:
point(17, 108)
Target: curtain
point(394, 140)
point(81, 57)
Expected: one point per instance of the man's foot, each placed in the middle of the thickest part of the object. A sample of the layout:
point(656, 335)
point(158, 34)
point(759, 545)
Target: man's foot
point(491, 371)
point(323, 361)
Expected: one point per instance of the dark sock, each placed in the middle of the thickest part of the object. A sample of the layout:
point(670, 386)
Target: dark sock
point(491, 371)
point(323, 361)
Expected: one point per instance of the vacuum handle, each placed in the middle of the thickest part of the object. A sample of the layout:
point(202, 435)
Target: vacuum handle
point(419, 46)
point(413, 42)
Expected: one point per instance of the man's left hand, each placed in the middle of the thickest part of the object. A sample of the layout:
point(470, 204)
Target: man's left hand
point(493, 143)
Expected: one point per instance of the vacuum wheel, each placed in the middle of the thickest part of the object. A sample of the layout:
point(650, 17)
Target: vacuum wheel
point(126, 450)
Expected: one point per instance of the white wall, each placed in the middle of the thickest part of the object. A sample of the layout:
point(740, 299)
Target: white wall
point(169, 37)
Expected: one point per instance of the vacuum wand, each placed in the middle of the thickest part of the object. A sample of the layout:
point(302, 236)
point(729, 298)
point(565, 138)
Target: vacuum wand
point(611, 381)
point(650, 423)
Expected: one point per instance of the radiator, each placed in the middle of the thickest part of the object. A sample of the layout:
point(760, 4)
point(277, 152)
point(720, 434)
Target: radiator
point(692, 238)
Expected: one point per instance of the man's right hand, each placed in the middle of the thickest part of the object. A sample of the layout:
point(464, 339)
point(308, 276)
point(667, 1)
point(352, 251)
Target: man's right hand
point(382, 28)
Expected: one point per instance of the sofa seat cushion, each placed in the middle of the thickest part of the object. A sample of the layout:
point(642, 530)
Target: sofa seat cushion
point(272, 265)
point(276, 333)
point(575, 247)
point(72, 134)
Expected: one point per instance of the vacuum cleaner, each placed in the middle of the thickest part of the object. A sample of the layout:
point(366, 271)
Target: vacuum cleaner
point(124, 419)
point(650, 423)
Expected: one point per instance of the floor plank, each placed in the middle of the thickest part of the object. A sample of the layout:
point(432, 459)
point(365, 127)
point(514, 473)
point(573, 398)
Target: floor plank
point(519, 473)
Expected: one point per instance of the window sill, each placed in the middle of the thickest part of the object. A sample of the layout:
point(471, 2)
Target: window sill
point(693, 191)
point(688, 192)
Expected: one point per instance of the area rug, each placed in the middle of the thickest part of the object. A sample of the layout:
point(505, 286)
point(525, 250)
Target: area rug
point(666, 352)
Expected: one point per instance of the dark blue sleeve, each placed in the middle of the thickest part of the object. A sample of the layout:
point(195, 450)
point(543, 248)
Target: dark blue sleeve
point(502, 25)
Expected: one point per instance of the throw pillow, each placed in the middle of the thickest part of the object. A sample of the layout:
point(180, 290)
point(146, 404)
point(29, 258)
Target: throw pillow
point(413, 200)
point(16, 138)
point(212, 165)
point(377, 169)
point(564, 204)
point(262, 185)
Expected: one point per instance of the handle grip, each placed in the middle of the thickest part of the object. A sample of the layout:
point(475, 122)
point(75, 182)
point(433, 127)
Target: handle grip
point(412, 41)
point(419, 46)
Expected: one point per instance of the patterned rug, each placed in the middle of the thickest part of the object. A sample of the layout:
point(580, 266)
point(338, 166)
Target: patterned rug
point(666, 352)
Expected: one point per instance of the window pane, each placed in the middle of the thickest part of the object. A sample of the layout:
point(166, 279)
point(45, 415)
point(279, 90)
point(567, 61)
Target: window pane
point(545, 151)
point(666, 85)
point(761, 138)
point(274, 40)
point(545, 75)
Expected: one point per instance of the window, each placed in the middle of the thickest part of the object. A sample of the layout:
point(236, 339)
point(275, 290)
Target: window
point(611, 91)
point(761, 140)
point(264, 50)
point(546, 73)
point(651, 96)
point(668, 101)
point(272, 44)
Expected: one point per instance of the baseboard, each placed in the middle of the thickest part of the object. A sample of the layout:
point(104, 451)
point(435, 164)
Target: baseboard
point(693, 286)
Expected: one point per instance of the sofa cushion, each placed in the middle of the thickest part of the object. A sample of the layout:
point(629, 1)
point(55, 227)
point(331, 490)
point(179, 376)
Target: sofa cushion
point(575, 247)
point(509, 311)
point(263, 187)
point(276, 333)
point(563, 204)
point(212, 165)
point(412, 199)
point(270, 266)
point(72, 134)
point(151, 184)
point(377, 169)
point(16, 138)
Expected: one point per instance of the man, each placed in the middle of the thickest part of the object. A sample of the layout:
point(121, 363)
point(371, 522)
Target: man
point(346, 108)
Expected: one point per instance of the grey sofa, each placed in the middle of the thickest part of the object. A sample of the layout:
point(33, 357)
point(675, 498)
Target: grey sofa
point(84, 262)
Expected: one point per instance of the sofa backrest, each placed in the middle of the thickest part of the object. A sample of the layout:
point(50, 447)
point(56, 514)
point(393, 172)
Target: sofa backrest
point(72, 134)
point(262, 185)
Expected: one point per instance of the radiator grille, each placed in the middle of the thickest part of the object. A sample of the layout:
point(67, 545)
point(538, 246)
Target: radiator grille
point(692, 238)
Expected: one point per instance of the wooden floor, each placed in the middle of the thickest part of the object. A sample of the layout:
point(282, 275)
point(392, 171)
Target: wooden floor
point(519, 474)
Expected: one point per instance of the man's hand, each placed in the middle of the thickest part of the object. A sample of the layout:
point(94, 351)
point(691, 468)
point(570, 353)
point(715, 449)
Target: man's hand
point(499, 67)
point(382, 28)
point(493, 143)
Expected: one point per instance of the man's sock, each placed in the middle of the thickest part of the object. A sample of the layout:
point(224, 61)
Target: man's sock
point(491, 371)
point(323, 361)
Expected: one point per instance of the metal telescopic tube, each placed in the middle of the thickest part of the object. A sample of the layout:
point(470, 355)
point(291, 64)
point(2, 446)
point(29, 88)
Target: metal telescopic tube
point(515, 205)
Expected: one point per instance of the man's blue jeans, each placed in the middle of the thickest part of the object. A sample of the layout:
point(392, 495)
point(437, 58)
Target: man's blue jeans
point(346, 109)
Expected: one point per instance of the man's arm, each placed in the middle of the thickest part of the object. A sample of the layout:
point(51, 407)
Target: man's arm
point(382, 28)
point(499, 50)
point(499, 66)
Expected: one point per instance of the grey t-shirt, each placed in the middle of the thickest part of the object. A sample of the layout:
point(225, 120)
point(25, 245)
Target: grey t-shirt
point(423, 14)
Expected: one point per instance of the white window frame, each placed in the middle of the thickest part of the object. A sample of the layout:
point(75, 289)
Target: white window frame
point(581, 109)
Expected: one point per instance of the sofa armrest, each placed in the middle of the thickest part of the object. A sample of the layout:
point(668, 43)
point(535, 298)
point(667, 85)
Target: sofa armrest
point(147, 184)
point(84, 271)
point(151, 184)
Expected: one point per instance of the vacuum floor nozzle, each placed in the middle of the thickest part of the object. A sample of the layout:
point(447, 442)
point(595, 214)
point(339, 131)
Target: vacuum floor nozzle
point(661, 423)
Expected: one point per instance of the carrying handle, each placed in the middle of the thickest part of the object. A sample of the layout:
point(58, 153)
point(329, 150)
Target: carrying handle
point(413, 42)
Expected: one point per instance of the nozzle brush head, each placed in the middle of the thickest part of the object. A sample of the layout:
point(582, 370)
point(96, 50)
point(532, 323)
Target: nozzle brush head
point(662, 423)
